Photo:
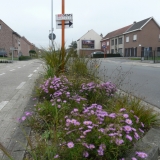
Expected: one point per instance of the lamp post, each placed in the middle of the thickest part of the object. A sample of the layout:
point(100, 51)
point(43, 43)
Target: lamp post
point(52, 22)
point(141, 52)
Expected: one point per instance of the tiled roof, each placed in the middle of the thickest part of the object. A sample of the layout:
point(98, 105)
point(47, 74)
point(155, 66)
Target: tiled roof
point(138, 25)
point(117, 32)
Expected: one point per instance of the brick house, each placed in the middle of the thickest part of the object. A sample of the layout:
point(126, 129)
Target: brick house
point(88, 43)
point(10, 38)
point(114, 41)
point(142, 36)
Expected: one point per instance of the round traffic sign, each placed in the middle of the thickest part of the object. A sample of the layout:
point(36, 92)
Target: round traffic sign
point(52, 36)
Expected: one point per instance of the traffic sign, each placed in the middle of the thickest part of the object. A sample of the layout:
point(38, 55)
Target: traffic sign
point(64, 17)
point(67, 24)
point(52, 36)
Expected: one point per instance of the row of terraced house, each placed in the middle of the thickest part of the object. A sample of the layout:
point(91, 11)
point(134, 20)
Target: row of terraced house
point(11, 39)
point(130, 41)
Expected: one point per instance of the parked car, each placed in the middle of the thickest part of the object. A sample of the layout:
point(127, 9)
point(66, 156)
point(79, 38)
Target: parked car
point(97, 52)
point(3, 54)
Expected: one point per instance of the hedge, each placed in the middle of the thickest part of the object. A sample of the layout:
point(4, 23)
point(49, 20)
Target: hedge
point(106, 55)
point(21, 58)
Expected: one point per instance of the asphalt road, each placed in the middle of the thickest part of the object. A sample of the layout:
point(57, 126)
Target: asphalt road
point(136, 77)
point(14, 74)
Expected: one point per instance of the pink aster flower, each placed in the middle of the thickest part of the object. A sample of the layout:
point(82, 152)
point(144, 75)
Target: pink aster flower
point(85, 154)
point(127, 128)
point(91, 146)
point(133, 158)
point(128, 121)
point(112, 115)
point(125, 115)
point(23, 118)
point(129, 137)
point(56, 156)
point(70, 144)
point(141, 154)
point(122, 109)
point(136, 136)
point(142, 124)
point(75, 110)
point(119, 141)
point(141, 130)
point(87, 122)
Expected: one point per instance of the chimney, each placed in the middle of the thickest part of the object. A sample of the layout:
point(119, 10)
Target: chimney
point(134, 22)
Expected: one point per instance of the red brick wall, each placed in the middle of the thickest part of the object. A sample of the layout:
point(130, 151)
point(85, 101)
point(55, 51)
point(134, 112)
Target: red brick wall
point(6, 39)
point(25, 47)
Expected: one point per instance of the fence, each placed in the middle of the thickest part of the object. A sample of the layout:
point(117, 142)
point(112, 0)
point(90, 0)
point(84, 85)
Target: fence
point(151, 55)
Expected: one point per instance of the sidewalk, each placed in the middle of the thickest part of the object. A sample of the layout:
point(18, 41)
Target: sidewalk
point(11, 133)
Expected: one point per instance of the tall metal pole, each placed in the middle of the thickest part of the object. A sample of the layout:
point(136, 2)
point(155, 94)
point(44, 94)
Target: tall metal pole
point(52, 21)
point(63, 34)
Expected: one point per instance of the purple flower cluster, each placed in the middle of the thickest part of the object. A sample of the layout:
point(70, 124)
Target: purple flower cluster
point(55, 87)
point(93, 119)
point(23, 118)
point(109, 87)
point(92, 87)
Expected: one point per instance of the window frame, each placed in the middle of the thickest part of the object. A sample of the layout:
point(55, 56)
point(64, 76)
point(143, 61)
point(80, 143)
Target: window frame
point(135, 37)
point(127, 39)
point(120, 42)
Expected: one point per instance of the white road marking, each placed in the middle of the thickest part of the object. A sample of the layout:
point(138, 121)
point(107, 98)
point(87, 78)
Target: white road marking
point(30, 75)
point(145, 65)
point(12, 70)
point(38, 68)
point(2, 74)
point(156, 66)
point(35, 71)
point(2, 104)
point(21, 85)
point(24, 65)
point(19, 67)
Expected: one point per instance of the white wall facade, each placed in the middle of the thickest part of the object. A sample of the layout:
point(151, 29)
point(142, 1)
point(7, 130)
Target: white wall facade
point(90, 35)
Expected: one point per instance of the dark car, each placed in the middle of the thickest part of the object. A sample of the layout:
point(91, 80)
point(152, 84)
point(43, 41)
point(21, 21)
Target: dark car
point(3, 54)
point(96, 53)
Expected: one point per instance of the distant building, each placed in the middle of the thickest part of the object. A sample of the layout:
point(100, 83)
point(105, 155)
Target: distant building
point(114, 41)
point(141, 36)
point(134, 40)
point(89, 43)
point(10, 38)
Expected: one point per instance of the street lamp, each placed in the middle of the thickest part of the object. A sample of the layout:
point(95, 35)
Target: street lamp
point(52, 22)
point(142, 58)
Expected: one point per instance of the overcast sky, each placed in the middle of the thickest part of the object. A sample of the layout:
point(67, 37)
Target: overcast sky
point(32, 18)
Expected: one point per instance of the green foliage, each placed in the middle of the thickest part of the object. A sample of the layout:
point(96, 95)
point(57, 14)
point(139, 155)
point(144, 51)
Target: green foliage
point(21, 58)
point(53, 61)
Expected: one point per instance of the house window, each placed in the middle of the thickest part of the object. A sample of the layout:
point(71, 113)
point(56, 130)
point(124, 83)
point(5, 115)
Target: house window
point(159, 36)
point(119, 40)
point(107, 43)
point(115, 41)
point(2, 49)
point(134, 37)
point(112, 42)
point(19, 43)
point(127, 39)
point(112, 51)
point(120, 50)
